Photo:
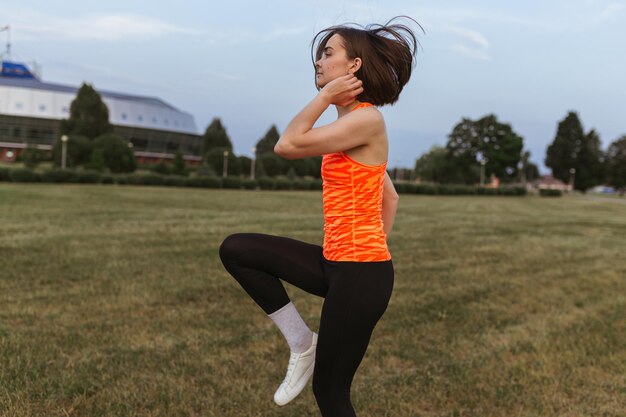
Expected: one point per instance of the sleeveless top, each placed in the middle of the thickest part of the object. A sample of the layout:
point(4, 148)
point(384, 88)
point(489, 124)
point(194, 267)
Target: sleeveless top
point(352, 195)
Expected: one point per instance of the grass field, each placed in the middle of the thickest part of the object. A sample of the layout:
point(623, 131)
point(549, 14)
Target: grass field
point(113, 302)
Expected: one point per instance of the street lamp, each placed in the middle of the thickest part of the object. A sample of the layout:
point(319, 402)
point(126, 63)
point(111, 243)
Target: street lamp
point(482, 171)
point(253, 162)
point(63, 151)
point(225, 164)
point(572, 174)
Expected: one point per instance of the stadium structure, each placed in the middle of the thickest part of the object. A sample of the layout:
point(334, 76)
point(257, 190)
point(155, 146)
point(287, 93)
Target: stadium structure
point(31, 111)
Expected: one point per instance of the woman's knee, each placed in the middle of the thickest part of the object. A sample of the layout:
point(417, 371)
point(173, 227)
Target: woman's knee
point(232, 245)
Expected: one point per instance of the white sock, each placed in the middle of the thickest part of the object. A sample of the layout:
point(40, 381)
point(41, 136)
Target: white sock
point(298, 335)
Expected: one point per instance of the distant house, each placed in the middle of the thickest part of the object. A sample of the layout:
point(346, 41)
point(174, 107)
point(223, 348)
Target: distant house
point(550, 183)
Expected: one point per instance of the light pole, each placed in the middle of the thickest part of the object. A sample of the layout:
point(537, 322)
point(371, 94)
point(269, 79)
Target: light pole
point(482, 171)
point(225, 171)
point(253, 162)
point(63, 151)
point(572, 174)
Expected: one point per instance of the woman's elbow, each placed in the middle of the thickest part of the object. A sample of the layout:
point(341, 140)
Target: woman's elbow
point(284, 150)
point(392, 197)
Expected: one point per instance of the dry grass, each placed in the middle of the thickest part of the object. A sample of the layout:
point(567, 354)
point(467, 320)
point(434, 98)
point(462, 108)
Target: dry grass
point(114, 303)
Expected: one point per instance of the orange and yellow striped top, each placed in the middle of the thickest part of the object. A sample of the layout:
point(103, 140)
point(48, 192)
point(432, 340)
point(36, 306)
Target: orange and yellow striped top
point(352, 195)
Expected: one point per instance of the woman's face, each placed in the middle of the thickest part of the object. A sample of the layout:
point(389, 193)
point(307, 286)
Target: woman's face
point(334, 62)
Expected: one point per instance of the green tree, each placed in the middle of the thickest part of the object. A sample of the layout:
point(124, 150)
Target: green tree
point(162, 168)
point(245, 164)
point(32, 156)
point(528, 171)
point(215, 160)
point(589, 163)
point(272, 164)
point(215, 136)
point(89, 115)
point(434, 165)
point(96, 161)
point(563, 151)
point(179, 167)
point(615, 164)
point(116, 153)
point(471, 141)
point(571, 148)
point(78, 151)
point(266, 144)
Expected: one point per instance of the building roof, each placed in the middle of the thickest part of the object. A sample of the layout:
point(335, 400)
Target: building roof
point(39, 85)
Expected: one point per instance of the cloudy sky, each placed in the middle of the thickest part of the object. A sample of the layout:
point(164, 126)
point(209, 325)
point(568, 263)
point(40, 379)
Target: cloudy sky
point(248, 62)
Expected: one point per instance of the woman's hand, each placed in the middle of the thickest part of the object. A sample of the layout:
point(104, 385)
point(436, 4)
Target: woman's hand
point(343, 90)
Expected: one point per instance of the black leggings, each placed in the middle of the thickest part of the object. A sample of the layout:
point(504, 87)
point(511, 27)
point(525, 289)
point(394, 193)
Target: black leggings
point(356, 296)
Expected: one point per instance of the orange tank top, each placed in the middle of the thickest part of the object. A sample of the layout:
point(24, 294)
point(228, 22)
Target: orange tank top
point(352, 196)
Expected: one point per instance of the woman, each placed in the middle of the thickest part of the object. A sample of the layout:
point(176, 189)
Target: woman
point(356, 69)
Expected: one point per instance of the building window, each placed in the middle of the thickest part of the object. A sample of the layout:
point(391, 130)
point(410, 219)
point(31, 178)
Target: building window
point(124, 116)
point(175, 122)
point(19, 105)
point(42, 107)
point(154, 120)
point(167, 123)
point(65, 110)
point(140, 118)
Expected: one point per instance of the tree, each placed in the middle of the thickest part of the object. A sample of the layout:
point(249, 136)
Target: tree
point(245, 164)
point(32, 156)
point(179, 167)
point(116, 153)
point(215, 136)
point(471, 141)
point(272, 164)
point(616, 164)
point(571, 148)
point(589, 163)
point(434, 165)
point(89, 115)
point(528, 170)
point(215, 160)
point(266, 144)
point(562, 153)
point(96, 161)
point(78, 151)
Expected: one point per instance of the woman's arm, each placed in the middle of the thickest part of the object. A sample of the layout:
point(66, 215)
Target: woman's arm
point(390, 204)
point(300, 139)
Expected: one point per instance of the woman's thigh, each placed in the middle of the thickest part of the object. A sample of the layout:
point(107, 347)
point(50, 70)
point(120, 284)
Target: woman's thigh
point(257, 256)
point(357, 297)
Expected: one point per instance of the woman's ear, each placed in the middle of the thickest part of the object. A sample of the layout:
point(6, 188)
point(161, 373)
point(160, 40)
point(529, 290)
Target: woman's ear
point(356, 65)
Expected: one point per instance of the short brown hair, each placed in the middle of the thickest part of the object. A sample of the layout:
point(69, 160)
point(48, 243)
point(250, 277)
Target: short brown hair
point(387, 52)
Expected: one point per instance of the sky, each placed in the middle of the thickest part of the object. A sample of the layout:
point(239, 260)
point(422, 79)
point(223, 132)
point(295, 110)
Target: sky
point(249, 63)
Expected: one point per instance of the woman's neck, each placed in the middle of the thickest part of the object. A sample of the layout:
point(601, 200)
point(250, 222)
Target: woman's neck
point(343, 110)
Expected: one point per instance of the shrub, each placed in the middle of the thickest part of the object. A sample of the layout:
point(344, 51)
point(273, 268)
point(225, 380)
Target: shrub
point(317, 184)
point(58, 175)
point(267, 183)
point(116, 154)
point(24, 175)
point(88, 177)
point(121, 179)
point(284, 184)
point(250, 184)
point(301, 185)
point(5, 174)
point(544, 192)
point(150, 179)
point(175, 181)
point(107, 179)
point(231, 182)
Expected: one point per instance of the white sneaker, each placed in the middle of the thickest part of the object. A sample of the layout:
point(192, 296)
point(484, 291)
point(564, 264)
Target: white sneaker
point(299, 371)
